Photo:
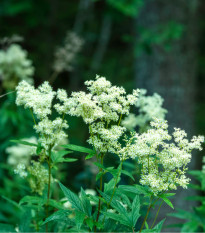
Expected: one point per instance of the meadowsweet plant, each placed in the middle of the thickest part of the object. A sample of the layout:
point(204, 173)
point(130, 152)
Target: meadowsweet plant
point(112, 206)
point(50, 131)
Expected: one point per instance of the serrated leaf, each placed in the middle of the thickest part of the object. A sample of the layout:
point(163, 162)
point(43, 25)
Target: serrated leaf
point(135, 210)
point(117, 218)
point(55, 204)
point(61, 215)
point(79, 218)
point(86, 203)
point(32, 200)
point(168, 202)
point(25, 222)
point(57, 156)
point(191, 226)
point(137, 189)
point(72, 198)
point(128, 174)
point(90, 223)
point(89, 156)
point(158, 227)
point(79, 148)
point(12, 202)
point(125, 199)
point(24, 143)
point(109, 186)
point(98, 176)
point(99, 165)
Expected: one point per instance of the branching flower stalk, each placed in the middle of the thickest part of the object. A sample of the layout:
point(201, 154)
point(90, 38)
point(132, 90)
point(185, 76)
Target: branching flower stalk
point(146, 216)
point(156, 215)
point(50, 132)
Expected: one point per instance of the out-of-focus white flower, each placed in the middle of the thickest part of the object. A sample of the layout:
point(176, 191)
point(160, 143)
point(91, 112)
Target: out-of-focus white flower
point(21, 153)
point(20, 170)
point(15, 66)
point(66, 55)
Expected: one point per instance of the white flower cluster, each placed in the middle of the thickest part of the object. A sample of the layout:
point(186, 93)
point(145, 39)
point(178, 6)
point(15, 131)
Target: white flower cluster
point(21, 170)
point(15, 66)
point(148, 107)
point(39, 101)
point(65, 56)
point(163, 162)
point(102, 109)
point(21, 153)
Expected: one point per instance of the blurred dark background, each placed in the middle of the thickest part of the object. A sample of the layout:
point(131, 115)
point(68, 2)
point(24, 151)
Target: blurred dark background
point(153, 44)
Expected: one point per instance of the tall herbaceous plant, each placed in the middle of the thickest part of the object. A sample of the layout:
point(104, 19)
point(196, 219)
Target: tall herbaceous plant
point(105, 109)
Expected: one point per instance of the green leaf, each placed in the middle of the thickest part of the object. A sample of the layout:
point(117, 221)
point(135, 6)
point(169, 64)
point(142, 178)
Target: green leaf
point(78, 148)
point(24, 143)
point(168, 202)
point(158, 227)
point(12, 202)
point(86, 203)
point(109, 186)
point(137, 189)
point(146, 225)
point(6, 228)
point(191, 226)
point(79, 218)
point(182, 214)
point(26, 218)
point(57, 156)
point(32, 200)
point(39, 149)
point(135, 210)
point(89, 156)
point(99, 165)
point(117, 218)
point(167, 194)
point(128, 174)
point(69, 160)
point(99, 175)
point(90, 223)
point(72, 197)
point(61, 215)
point(55, 204)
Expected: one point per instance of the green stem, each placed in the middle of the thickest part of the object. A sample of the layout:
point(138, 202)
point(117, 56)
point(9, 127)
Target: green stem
point(156, 215)
point(49, 186)
point(113, 193)
point(91, 134)
point(148, 210)
point(101, 187)
point(53, 77)
point(33, 116)
point(120, 119)
point(115, 186)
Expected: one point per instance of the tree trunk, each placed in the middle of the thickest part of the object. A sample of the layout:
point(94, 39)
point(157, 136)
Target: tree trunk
point(171, 73)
